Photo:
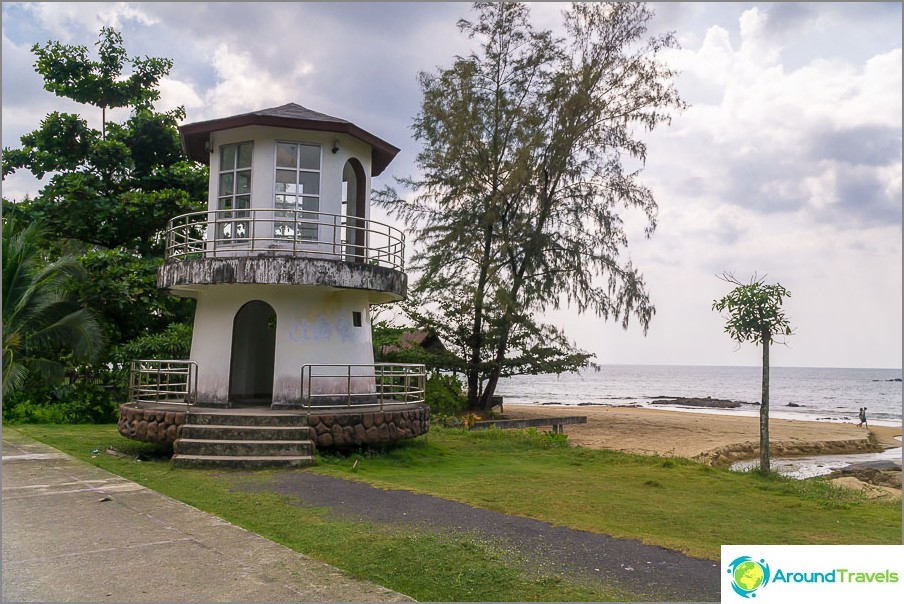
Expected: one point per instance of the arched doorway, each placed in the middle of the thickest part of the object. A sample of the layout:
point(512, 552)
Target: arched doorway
point(253, 354)
point(354, 188)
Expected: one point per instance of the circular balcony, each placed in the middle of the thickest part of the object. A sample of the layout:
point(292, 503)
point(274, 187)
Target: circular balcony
point(274, 231)
point(283, 247)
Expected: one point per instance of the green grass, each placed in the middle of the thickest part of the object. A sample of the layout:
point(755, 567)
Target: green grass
point(670, 502)
point(424, 565)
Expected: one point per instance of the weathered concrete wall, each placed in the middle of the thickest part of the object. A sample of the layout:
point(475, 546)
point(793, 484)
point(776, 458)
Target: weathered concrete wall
point(185, 275)
point(313, 326)
point(150, 425)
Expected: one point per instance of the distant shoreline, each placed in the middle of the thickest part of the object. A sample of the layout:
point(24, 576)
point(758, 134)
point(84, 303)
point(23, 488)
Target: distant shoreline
point(706, 435)
point(743, 409)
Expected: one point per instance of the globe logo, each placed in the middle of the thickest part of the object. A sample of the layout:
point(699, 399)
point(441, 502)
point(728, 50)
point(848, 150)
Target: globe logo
point(748, 575)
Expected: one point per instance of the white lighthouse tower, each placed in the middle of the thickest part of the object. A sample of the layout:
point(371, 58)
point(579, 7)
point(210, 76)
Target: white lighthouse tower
point(285, 264)
point(291, 261)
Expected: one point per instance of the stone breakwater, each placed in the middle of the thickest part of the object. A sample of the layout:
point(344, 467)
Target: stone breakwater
point(150, 425)
point(349, 429)
point(328, 429)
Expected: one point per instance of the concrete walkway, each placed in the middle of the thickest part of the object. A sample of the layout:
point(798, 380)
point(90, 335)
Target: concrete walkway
point(74, 532)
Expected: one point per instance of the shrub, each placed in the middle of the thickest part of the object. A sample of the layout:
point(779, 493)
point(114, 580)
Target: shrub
point(80, 403)
point(444, 395)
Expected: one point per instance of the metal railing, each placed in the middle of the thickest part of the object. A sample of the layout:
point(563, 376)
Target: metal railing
point(238, 232)
point(380, 384)
point(153, 382)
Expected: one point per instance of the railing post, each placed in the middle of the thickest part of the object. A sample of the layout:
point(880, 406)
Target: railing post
point(348, 388)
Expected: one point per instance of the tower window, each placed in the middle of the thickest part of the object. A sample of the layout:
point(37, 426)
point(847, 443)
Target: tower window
point(297, 188)
point(356, 318)
point(234, 191)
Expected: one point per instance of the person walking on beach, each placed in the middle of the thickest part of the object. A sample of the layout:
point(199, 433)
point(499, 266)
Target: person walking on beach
point(863, 418)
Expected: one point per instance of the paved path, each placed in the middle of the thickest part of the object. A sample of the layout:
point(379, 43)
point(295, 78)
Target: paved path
point(655, 572)
point(74, 532)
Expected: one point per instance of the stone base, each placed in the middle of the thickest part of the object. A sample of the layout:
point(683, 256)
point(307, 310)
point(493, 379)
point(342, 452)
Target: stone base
point(150, 425)
point(329, 428)
point(348, 429)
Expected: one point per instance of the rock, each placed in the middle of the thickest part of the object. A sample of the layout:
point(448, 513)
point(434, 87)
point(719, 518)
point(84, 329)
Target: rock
point(360, 434)
point(698, 402)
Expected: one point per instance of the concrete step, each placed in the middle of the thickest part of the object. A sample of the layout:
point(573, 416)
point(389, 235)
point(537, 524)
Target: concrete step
point(223, 432)
point(245, 462)
point(245, 419)
point(252, 448)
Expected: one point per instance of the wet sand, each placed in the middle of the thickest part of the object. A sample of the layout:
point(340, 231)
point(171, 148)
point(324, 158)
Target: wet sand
point(707, 437)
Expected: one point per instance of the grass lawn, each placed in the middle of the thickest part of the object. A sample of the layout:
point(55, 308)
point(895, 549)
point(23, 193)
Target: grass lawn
point(669, 502)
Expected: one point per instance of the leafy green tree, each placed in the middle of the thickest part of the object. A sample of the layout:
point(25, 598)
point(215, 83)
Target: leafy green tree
point(523, 172)
point(108, 194)
point(754, 314)
point(42, 324)
point(69, 71)
point(113, 190)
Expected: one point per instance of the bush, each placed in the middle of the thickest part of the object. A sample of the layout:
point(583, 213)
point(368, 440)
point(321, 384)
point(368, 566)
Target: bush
point(174, 342)
point(444, 395)
point(80, 403)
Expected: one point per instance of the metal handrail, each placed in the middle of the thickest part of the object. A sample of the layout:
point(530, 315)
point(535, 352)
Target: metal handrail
point(229, 233)
point(393, 384)
point(154, 381)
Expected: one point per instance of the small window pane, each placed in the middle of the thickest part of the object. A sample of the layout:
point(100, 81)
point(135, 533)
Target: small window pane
point(243, 181)
point(227, 157)
point(244, 160)
point(311, 204)
point(226, 203)
point(286, 155)
point(309, 183)
point(310, 157)
point(226, 183)
point(243, 201)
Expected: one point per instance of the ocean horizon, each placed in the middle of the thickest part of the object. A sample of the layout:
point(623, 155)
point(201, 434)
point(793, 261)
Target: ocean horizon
point(804, 393)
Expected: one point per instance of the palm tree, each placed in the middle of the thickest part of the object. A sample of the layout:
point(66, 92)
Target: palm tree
point(41, 323)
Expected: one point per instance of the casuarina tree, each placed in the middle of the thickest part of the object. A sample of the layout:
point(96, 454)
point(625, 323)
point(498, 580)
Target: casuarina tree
point(754, 314)
point(531, 148)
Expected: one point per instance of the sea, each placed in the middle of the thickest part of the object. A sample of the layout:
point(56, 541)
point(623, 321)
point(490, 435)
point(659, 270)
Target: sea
point(799, 393)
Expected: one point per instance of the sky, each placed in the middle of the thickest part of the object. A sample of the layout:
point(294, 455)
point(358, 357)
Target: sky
point(786, 164)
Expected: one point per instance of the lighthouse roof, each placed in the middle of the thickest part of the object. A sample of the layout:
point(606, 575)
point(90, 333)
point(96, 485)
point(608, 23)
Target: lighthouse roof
point(195, 136)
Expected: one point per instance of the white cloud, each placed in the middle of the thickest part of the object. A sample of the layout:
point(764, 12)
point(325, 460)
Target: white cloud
point(788, 161)
point(73, 21)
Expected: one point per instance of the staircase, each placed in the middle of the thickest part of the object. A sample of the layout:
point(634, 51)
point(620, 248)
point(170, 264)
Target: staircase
point(243, 440)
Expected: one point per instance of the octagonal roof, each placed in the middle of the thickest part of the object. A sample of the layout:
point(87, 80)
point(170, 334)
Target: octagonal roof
point(195, 136)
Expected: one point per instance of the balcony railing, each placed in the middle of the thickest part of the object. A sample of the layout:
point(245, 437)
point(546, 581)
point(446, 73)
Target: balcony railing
point(347, 386)
point(152, 382)
point(242, 232)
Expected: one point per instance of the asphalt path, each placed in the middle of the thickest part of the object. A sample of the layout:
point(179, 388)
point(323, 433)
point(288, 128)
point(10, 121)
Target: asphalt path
point(656, 572)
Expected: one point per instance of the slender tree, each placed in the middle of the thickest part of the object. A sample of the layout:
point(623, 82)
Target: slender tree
point(522, 176)
point(754, 314)
point(69, 71)
point(41, 321)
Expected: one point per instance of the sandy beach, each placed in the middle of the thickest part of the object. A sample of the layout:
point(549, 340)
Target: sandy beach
point(705, 437)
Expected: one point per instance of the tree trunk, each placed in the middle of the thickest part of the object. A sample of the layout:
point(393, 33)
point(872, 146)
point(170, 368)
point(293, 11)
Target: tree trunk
point(764, 407)
point(475, 342)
